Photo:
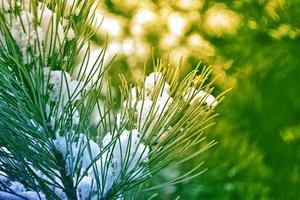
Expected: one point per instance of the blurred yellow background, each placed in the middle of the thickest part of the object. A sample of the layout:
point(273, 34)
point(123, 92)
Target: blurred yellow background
point(253, 47)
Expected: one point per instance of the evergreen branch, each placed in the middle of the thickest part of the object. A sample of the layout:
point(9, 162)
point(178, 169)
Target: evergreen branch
point(47, 141)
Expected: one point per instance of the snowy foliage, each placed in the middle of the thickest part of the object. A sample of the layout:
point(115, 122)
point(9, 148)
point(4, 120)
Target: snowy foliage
point(76, 159)
point(47, 36)
point(157, 106)
point(193, 95)
point(61, 91)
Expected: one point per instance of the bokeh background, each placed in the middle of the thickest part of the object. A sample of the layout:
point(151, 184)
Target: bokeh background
point(253, 47)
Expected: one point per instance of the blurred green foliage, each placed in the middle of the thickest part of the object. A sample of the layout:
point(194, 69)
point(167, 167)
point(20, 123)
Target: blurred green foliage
point(258, 131)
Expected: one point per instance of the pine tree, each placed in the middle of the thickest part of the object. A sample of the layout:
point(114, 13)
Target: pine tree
point(51, 147)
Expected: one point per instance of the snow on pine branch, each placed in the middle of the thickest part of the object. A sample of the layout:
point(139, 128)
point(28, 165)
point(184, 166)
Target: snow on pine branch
point(157, 120)
point(61, 90)
point(48, 36)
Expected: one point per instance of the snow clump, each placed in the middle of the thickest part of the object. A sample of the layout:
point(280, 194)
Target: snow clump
point(48, 35)
point(62, 92)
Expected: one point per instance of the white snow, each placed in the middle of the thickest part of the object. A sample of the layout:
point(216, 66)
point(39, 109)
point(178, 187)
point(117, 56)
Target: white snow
point(61, 90)
point(193, 95)
point(150, 109)
point(86, 188)
point(24, 33)
point(76, 148)
point(149, 113)
point(60, 86)
point(153, 81)
point(49, 33)
point(127, 154)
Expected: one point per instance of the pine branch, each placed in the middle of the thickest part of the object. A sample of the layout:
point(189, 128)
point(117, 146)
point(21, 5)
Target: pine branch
point(48, 144)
